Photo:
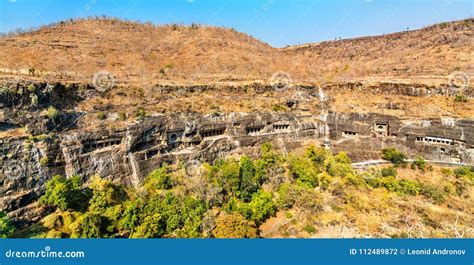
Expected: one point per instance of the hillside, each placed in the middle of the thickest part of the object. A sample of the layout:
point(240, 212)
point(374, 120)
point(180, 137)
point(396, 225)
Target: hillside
point(143, 53)
point(437, 50)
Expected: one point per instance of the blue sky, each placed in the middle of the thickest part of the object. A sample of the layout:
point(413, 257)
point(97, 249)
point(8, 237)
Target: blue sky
point(277, 22)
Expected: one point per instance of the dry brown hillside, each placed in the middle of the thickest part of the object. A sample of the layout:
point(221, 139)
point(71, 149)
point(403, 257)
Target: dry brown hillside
point(438, 50)
point(144, 53)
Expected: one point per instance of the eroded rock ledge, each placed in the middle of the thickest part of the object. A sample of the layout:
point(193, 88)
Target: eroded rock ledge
point(127, 154)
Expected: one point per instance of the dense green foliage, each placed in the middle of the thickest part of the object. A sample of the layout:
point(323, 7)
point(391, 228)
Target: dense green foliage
point(159, 179)
point(419, 163)
point(66, 194)
point(6, 226)
point(394, 155)
point(229, 198)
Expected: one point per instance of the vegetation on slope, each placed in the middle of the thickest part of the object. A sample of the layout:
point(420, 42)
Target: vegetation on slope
point(273, 195)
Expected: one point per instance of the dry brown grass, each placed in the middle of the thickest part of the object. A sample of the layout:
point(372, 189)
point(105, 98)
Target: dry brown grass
point(143, 53)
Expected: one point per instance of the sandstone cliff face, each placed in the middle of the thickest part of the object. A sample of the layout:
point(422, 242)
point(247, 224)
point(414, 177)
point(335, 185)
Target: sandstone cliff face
point(61, 145)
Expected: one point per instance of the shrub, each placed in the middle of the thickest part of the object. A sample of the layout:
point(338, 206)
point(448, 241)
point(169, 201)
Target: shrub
point(159, 179)
point(140, 113)
point(374, 182)
point(447, 171)
point(325, 180)
point(464, 172)
point(355, 180)
point(44, 161)
point(290, 195)
point(303, 171)
point(409, 187)
point(342, 158)
point(394, 155)
point(390, 183)
point(31, 88)
point(278, 107)
point(91, 226)
point(433, 193)
point(52, 113)
point(389, 172)
point(309, 229)
point(122, 116)
point(152, 227)
point(419, 163)
point(317, 155)
point(460, 98)
point(6, 226)
point(337, 169)
point(234, 226)
point(101, 115)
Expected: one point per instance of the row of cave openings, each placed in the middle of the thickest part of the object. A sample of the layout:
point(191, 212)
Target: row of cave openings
point(381, 129)
point(174, 136)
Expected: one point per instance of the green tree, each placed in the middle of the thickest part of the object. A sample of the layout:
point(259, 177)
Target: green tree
point(130, 218)
point(317, 155)
point(105, 194)
point(230, 176)
point(181, 215)
point(337, 169)
point(261, 206)
point(303, 170)
point(66, 193)
point(159, 179)
point(394, 155)
point(267, 154)
point(342, 158)
point(91, 225)
point(249, 184)
point(6, 226)
point(152, 227)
